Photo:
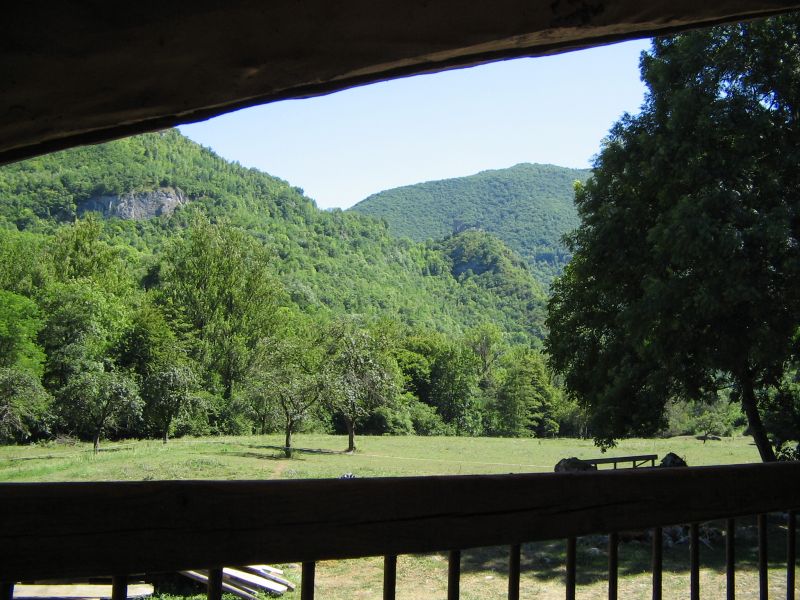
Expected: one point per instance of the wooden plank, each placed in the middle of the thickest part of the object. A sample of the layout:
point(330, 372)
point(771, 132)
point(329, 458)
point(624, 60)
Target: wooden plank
point(389, 577)
point(791, 554)
point(119, 587)
point(694, 561)
point(730, 559)
point(307, 583)
point(613, 565)
point(514, 554)
point(251, 580)
point(454, 575)
point(268, 568)
point(763, 559)
point(52, 530)
point(261, 572)
point(214, 584)
point(657, 565)
point(232, 589)
point(78, 590)
point(572, 561)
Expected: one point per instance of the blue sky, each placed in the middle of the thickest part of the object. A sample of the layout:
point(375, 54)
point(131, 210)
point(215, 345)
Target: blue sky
point(345, 146)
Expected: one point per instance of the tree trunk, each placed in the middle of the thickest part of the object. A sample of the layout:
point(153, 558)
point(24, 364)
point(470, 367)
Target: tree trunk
point(165, 437)
point(96, 442)
point(287, 445)
point(754, 420)
point(351, 435)
point(227, 392)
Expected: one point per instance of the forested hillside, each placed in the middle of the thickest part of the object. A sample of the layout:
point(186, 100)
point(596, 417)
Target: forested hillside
point(328, 261)
point(530, 207)
point(149, 287)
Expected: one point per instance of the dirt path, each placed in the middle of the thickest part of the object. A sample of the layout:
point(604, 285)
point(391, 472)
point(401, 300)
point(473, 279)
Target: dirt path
point(277, 473)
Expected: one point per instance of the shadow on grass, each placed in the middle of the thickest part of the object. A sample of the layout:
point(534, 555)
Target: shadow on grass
point(298, 450)
point(546, 560)
point(260, 456)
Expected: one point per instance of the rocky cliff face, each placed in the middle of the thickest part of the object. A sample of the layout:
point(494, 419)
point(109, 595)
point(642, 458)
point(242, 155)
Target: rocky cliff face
point(137, 205)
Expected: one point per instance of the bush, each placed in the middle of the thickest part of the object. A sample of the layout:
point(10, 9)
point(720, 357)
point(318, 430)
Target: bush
point(720, 417)
point(386, 420)
point(426, 421)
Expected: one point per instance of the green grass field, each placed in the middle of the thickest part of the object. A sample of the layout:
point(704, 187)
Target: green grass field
point(425, 576)
point(259, 457)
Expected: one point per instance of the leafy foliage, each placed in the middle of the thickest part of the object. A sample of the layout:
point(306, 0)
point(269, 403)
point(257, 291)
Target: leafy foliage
point(685, 271)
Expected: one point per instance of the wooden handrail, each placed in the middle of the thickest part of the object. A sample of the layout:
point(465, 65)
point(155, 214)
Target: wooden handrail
point(55, 530)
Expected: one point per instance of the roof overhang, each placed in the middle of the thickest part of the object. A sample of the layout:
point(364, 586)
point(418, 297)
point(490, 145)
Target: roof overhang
point(73, 73)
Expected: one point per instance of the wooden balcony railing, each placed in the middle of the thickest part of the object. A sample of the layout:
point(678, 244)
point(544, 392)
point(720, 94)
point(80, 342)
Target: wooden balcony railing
point(63, 530)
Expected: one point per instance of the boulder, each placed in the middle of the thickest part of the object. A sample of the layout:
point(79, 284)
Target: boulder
point(672, 460)
point(573, 464)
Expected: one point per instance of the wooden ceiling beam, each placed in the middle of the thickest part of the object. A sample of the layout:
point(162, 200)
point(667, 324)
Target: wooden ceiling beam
point(73, 73)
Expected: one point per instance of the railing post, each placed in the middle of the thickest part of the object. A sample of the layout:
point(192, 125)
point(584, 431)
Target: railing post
point(763, 573)
point(514, 553)
point(730, 559)
point(572, 552)
point(389, 577)
point(214, 584)
point(454, 575)
point(694, 560)
point(307, 581)
point(791, 556)
point(613, 565)
point(119, 587)
point(6, 590)
point(658, 561)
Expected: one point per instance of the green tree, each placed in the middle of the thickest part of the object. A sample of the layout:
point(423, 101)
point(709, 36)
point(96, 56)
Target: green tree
point(486, 342)
point(151, 350)
point(684, 277)
point(526, 398)
point(96, 401)
point(24, 405)
point(79, 253)
point(287, 382)
point(20, 323)
point(454, 389)
point(217, 281)
point(168, 389)
point(360, 374)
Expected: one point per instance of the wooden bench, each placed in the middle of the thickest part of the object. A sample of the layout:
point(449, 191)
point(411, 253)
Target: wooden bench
point(637, 461)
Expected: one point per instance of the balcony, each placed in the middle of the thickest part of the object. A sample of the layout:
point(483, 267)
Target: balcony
point(64, 530)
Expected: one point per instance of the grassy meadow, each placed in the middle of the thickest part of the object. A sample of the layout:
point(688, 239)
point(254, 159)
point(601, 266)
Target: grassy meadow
point(260, 457)
point(425, 576)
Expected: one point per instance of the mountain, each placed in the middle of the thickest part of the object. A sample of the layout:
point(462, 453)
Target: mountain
point(148, 190)
point(528, 206)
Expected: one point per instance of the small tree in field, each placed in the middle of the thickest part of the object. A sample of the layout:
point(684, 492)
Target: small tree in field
point(359, 373)
point(98, 401)
point(288, 383)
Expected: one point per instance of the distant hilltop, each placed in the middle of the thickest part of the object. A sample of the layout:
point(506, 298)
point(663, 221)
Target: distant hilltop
point(528, 206)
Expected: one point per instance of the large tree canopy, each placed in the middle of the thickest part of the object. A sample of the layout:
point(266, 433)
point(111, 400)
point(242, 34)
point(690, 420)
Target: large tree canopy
point(685, 270)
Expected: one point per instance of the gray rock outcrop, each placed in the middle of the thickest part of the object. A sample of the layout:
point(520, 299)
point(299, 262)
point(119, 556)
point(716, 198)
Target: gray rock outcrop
point(136, 205)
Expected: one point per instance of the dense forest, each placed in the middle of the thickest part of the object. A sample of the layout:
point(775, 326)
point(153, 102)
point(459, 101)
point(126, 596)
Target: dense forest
point(150, 288)
point(530, 207)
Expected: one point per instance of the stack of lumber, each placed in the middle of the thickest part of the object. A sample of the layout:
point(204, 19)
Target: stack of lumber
point(79, 591)
point(246, 582)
